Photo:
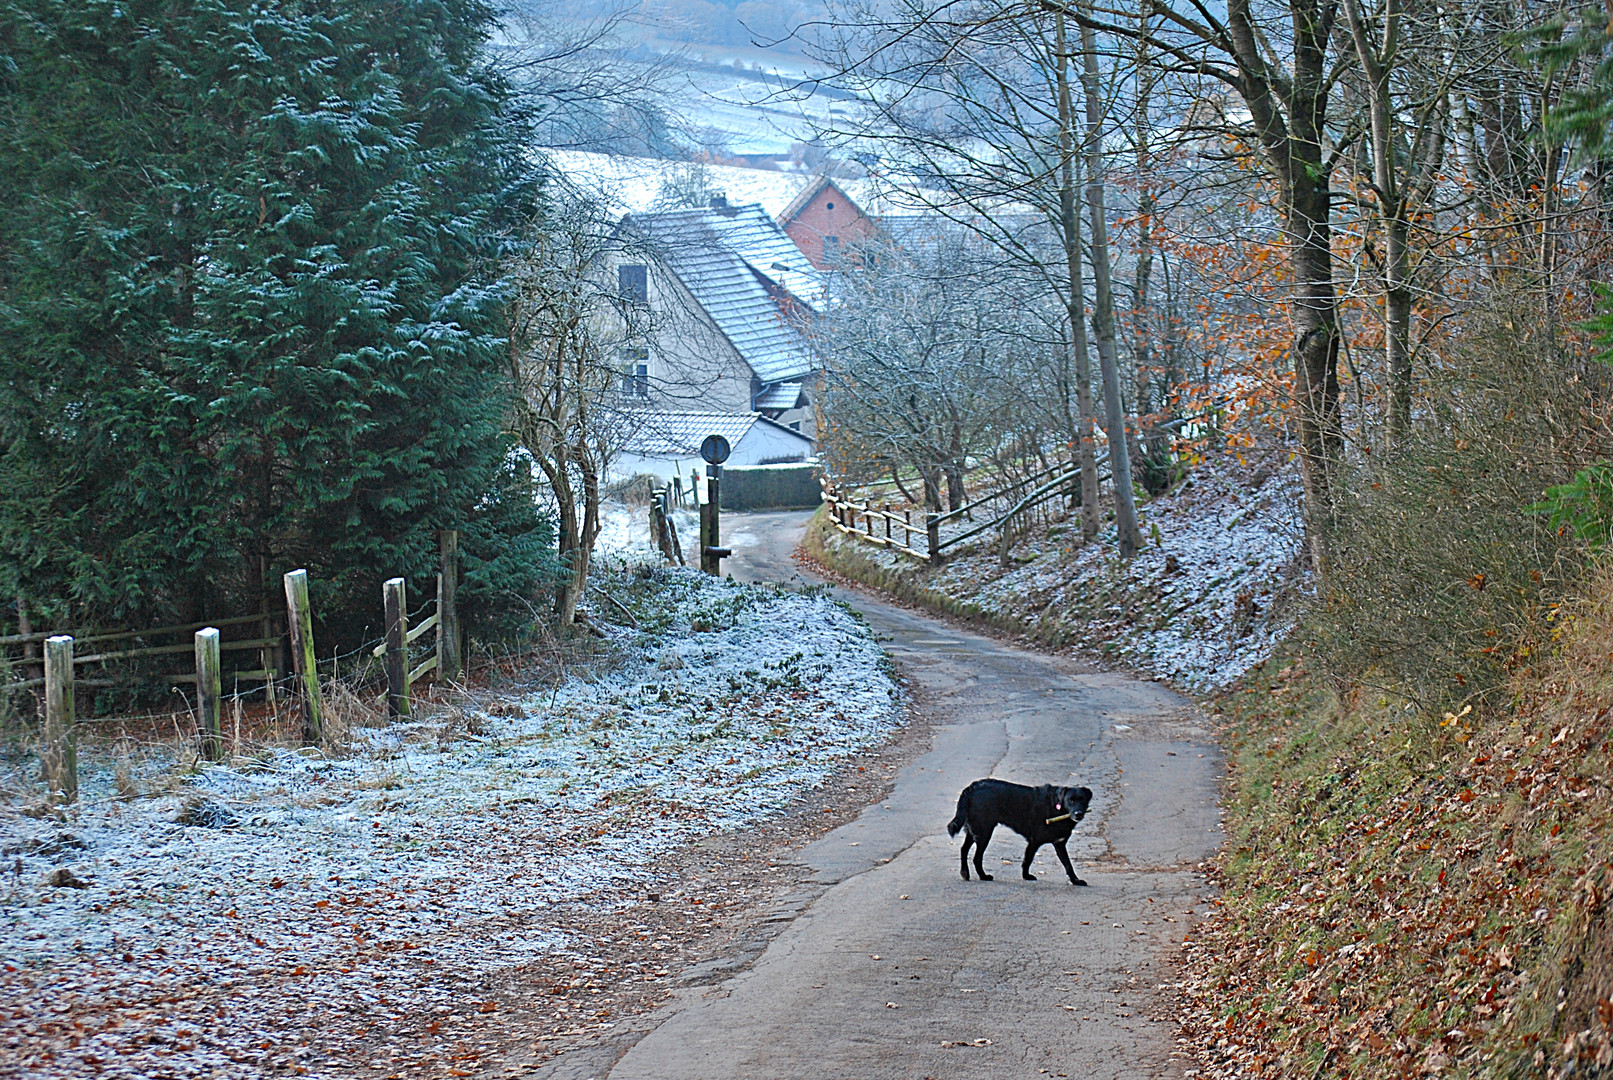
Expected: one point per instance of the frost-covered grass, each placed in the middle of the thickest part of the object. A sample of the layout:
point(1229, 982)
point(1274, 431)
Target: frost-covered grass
point(1205, 601)
point(454, 842)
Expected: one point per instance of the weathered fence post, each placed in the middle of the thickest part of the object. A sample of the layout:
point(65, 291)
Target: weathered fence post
point(448, 658)
point(672, 535)
point(209, 695)
point(58, 754)
point(932, 534)
point(393, 596)
point(658, 530)
point(31, 668)
point(269, 656)
point(301, 622)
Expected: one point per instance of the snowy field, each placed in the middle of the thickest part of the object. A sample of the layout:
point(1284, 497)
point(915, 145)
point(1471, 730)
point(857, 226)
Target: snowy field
point(223, 908)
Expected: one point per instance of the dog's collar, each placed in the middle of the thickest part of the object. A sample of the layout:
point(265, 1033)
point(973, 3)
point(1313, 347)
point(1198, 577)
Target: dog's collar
point(1061, 817)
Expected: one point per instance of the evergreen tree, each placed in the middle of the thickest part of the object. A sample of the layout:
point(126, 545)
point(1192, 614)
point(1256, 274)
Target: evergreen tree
point(249, 307)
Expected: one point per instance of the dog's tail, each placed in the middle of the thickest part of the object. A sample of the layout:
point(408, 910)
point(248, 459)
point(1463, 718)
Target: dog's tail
point(963, 812)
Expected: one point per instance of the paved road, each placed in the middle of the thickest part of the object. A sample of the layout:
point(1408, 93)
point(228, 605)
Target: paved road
point(899, 957)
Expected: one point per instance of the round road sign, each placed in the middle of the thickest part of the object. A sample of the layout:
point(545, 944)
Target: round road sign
point(714, 450)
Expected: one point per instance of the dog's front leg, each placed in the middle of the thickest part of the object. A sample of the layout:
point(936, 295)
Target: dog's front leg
point(1064, 857)
point(1030, 853)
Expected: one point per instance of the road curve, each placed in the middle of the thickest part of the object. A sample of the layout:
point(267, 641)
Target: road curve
point(898, 968)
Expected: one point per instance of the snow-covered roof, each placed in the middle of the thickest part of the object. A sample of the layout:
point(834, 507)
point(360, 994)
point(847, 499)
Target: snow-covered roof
point(635, 185)
point(784, 395)
point(734, 261)
point(679, 434)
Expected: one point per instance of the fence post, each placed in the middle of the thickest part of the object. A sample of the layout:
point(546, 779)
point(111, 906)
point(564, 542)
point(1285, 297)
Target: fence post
point(301, 622)
point(658, 531)
point(31, 668)
point(448, 658)
point(209, 695)
point(932, 534)
point(677, 545)
point(58, 754)
point(268, 656)
point(397, 647)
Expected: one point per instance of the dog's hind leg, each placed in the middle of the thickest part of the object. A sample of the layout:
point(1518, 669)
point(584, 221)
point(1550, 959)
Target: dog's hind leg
point(1030, 853)
point(980, 850)
point(963, 856)
point(1064, 857)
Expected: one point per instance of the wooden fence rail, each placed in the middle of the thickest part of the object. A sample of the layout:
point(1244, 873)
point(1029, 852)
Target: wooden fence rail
point(394, 650)
point(846, 512)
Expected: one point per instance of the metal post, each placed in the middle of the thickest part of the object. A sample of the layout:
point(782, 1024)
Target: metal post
point(706, 562)
point(209, 695)
point(448, 653)
point(397, 646)
point(58, 753)
point(301, 621)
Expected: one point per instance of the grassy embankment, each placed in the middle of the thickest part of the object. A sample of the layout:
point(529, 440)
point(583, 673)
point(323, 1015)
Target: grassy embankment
point(1409, 895)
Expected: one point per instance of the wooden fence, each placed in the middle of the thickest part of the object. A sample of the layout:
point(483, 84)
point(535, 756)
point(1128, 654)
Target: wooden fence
point(879, 525)
point(60, 660)
point(444, 658)
point(124, 645)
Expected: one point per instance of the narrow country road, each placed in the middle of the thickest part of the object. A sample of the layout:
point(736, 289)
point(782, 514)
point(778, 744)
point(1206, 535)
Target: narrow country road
point(896, 967)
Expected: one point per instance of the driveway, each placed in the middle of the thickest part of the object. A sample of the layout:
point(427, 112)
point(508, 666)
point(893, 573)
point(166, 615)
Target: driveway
point(895, 967)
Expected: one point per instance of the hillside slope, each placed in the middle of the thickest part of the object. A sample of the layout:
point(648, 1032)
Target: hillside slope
point(1416, 896)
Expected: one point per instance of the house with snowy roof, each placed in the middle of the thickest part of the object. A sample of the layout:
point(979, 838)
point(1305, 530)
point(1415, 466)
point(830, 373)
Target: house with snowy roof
point(667, 444)
point(720, 298)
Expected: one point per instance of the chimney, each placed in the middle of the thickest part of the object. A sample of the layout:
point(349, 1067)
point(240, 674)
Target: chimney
point(719, 203)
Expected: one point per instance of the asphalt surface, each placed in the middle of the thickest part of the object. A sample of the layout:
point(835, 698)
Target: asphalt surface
point(895, 967)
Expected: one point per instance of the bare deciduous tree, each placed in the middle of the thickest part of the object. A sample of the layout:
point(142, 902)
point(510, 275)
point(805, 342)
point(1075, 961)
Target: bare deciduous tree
point(567, 332)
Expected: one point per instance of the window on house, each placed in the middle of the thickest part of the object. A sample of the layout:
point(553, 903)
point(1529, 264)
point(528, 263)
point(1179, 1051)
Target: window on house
point(828, 206)
point(831, 245)
point(633, 283)
point(636, 373)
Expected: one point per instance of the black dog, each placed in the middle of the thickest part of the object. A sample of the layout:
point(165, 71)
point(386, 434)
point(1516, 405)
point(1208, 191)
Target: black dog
point(1042, 815)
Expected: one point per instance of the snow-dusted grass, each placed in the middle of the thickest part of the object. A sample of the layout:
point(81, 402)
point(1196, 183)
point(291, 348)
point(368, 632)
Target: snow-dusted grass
point(455, 840)
point(1205, 601)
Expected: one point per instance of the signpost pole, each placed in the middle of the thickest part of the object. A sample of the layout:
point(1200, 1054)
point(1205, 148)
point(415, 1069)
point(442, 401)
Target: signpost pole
point(715, 451)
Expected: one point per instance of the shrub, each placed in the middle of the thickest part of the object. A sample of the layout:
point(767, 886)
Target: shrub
point(1444, 568)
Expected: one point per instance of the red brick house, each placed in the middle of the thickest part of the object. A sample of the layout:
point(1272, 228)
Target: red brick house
point(823, 221)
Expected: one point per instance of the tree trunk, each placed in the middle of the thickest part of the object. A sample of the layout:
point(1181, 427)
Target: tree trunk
point(573, 556)
point(1397, 325)
point(1103, 310)
point(1293, 146)
point(1316, 357)
point(1075, 298)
